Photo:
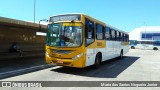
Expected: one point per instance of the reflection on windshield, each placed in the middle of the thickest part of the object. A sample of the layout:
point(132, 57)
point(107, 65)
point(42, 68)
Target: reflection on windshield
point(64, 36)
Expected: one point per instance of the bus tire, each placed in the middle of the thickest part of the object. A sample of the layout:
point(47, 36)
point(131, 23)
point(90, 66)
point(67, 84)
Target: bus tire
point(121, 54)
point(97, 61)
point(132, 47)
point(155, 48)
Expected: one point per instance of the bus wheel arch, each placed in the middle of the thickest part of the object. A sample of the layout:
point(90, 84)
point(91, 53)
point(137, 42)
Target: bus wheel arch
point(98, 59)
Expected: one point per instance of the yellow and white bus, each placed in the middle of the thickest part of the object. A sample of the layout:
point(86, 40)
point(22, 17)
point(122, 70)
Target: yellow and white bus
point(78, 40)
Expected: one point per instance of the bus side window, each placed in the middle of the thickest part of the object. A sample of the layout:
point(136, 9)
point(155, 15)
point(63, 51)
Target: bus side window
point(99, 32)
point(107, 34)
point(117, 36)
point(127, 38)
point(89, 32)
point(103, 32)
point(110, 33)
point(120, 36)
point(124, 37)
point(113, 35)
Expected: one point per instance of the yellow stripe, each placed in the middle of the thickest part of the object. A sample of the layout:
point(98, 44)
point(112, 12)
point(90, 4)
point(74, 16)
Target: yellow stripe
point(125, 43)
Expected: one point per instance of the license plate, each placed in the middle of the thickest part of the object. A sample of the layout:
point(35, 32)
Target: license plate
point(60, 62)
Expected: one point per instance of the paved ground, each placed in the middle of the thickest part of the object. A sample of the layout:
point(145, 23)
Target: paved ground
point(137, 65)
point(11, 65)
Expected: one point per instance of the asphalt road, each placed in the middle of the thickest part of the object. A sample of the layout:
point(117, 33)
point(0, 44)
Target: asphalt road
point(137, 65)
point(22, 63)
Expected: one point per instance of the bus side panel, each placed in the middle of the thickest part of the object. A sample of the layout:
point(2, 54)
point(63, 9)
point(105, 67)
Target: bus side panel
point(117, 47)
point(90, 57)
point(93, 49)
point(125, 47)
point(108, 53)
point(112, 50)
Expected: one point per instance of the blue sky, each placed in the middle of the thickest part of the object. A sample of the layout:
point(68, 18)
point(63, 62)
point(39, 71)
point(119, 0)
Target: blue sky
point(122, 14)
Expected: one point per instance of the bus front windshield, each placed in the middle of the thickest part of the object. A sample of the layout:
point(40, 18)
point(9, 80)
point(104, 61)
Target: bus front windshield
point(64, 36)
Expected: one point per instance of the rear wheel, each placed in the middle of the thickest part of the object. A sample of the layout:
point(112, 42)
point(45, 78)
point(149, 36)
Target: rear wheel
point(121, 54)
point(97, 61)
point(155, 48)
point(132, 47)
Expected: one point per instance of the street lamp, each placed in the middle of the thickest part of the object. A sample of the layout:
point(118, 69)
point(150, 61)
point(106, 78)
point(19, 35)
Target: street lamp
point(34, 10)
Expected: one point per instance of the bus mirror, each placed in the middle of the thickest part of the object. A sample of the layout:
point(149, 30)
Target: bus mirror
point(40, 23)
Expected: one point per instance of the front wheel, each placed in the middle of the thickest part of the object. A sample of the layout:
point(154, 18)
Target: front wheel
point(97, 61)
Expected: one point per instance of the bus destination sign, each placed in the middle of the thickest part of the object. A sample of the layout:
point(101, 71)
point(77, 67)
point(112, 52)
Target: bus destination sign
point(75, 17)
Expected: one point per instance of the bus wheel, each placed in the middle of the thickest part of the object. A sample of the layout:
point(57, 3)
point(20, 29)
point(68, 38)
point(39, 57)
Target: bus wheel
point(97, 61)
point(155, 48)
point(121, 54)
point(132, 47)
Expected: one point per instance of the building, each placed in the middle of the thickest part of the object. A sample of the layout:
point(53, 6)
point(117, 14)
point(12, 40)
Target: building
point(23, 36)
point(147, 37)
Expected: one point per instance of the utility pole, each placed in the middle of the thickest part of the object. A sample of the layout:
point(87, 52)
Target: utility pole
point(145, 30)
point(145, 35)
point(34, 10)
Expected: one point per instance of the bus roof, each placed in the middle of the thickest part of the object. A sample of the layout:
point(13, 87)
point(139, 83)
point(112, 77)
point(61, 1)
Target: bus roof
point(116, 29)
point(80, 14)
point(100, 22)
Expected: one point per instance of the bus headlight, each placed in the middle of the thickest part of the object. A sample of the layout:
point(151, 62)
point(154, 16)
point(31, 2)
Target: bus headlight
point(77, 56)
point(47, 54)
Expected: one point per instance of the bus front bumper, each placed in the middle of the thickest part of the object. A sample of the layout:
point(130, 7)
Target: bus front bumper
point(79, 63)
